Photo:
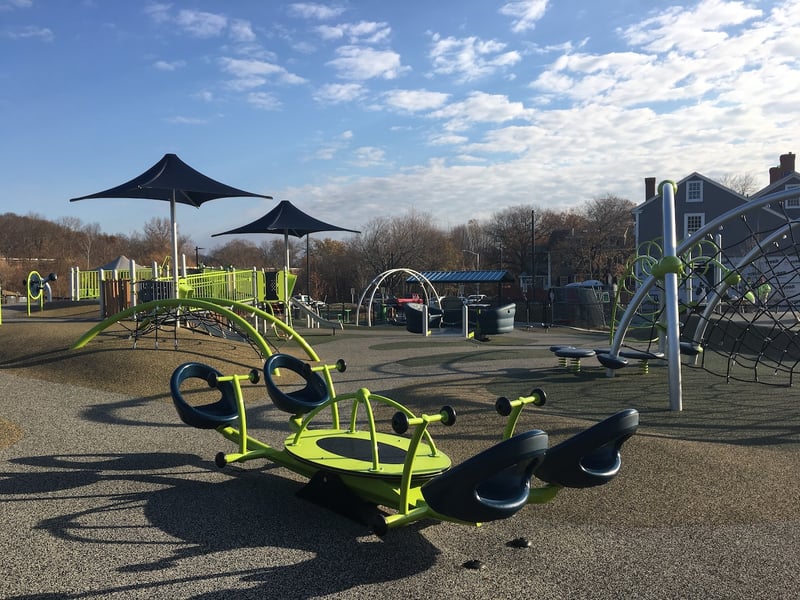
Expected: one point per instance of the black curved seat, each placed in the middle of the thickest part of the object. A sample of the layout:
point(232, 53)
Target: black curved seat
point(207, 416)
point(592, 456)
point(491, 485)
point(297, 402)
point(611, 362)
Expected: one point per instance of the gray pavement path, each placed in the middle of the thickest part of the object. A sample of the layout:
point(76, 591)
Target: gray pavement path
point(108, 495)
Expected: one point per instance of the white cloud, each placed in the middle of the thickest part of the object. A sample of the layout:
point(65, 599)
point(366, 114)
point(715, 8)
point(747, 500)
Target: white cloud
point(447, 140)
point(330, 149)
point(356, 62)
point(415, 100)
point(178, 120)
point(514, 140)
point(363, 32)
point(313, 10)
point(31, 32)
point(336, 93)
point(158, 12)
point(706, 58)
point(250, 73)
point(690, 30)
point(526, 13)
point(201, 24)
point(249, 69)
point(469, 58)
point(164, 65)
point(369, 156)
point(205, 96)
point(303, 47)
point(264, 100)
point(480, 107)
point(12, 4)
point(241, 31)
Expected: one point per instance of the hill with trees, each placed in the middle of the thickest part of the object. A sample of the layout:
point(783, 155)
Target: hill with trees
point(593, 241)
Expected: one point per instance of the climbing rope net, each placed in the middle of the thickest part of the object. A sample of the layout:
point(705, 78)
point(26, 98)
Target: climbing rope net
point(739, 294)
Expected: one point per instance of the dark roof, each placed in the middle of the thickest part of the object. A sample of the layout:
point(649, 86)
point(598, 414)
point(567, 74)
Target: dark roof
point(120, 263)
point(464, 277)
point(286, 218)
point(172, 178)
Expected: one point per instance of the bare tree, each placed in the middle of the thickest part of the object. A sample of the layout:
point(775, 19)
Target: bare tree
point(509, 239)
point(742, 183)
point(334, 272)
point(608, 240)
point(273, 251)
point(409, 241)
point(85, 238)
point(237, 252)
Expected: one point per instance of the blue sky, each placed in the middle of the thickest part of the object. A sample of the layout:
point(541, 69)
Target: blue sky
point(360, 109)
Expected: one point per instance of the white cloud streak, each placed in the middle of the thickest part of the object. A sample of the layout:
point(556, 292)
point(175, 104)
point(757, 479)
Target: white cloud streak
point(363, 32)
point(360, 63)
point(201, 24)
point(525, 13)
point(470, 58)
point(313, 10)
point(31, 32)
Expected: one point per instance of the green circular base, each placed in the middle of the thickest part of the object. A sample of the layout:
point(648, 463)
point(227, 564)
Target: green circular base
point(351, 452)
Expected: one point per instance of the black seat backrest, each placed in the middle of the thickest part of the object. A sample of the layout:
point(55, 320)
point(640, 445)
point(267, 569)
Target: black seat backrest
point(592, 456)
point(491, 485)
point(208, 416)
point(297, 402)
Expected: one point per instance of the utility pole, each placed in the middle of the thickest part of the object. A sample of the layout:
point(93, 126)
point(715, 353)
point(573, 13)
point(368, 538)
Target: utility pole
point(308, 266)
point(197, 256)
point(477, 266)
point(533, 260)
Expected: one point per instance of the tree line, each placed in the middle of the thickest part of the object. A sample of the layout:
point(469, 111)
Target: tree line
point(591, 241)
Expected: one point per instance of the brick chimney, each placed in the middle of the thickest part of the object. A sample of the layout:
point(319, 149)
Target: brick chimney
point(787, 164)
point(649, 187)
point(785, 168)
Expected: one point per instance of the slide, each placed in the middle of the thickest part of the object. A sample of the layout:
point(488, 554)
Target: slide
point(314, 317)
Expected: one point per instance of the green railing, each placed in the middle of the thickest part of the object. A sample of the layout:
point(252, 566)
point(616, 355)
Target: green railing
point(241, 285)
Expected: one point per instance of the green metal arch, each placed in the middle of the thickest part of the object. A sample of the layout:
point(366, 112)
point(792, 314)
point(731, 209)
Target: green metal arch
point(216, 305)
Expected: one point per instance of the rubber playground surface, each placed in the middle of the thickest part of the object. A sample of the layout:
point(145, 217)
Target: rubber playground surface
point(106, 494)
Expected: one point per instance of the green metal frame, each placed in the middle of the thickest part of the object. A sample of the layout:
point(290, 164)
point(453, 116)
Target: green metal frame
point(395, 487)
point(34, 278)
point(223, 307)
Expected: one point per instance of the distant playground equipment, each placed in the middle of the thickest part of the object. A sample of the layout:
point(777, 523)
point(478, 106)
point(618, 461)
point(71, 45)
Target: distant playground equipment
point(491, 320)
point(388, 480)
point(313, 317)
point(37, 287)
point(428, 312)
point(213, 316)
point(739, 299)
point(125, 284)
point(477, 322)
point(367, 298)
point(133, 301)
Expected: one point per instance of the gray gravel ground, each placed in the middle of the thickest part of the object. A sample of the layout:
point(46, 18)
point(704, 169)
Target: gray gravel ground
point(105, 494)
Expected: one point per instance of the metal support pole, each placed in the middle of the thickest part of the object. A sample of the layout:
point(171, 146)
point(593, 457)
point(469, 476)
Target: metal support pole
point(670, 270)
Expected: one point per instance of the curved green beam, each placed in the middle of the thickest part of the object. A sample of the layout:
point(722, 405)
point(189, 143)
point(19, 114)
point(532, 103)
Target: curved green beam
point(215, 305)
point(267, 316)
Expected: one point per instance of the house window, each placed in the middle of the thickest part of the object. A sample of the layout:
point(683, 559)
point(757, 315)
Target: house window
point(694, 191)
point(692, 222)
point(793, 202)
